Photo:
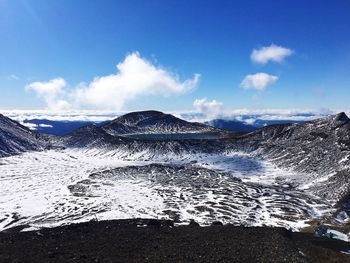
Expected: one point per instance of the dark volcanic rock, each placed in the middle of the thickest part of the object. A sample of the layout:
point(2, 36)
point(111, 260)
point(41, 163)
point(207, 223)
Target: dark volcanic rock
point(131, 241)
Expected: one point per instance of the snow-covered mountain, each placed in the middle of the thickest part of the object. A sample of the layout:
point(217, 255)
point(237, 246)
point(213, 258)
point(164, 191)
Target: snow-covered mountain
point(16, 138)
point(320, 147)
point(154, 122)
point(112, 135)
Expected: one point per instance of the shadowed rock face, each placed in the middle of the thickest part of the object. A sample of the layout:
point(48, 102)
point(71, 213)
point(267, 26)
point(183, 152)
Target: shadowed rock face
point(16, 138)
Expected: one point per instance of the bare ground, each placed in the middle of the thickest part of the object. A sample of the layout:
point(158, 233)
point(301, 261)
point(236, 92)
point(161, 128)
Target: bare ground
point(139, 240)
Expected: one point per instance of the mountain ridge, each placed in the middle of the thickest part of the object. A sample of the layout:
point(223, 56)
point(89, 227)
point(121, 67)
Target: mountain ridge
point(16, 138)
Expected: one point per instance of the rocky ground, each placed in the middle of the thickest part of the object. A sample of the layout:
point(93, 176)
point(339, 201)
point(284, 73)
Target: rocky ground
point(159, 241)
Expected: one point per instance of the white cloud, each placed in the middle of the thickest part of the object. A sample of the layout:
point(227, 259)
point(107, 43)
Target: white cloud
point(258, 81)
point(271, 53)
point(31, 126)
point(43, 125)
point(51, 92)
point(135, 77)
point(209, 108)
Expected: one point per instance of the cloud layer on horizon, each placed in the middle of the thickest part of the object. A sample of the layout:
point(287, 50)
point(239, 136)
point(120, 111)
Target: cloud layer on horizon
point(248, 116)
point(135, 77)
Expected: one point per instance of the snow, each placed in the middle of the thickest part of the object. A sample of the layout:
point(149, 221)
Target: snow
point(316, 181)
point(337, 235)
point(55, 187)
point(35, 186)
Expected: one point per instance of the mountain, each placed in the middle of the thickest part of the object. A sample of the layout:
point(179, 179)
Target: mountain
point(231, 125)
point(327, 137)
point(320, 147)
point(16, 138)
point(154, 122)
point(95, 137)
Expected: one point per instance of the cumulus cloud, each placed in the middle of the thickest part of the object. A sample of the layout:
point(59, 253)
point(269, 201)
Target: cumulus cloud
point(209, 108)
point(135, 77)
point(51, 92)
point(271, 53)
point(258, 81)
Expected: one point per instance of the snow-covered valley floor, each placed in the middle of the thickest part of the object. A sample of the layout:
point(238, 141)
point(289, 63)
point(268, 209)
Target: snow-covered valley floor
point(53, 187)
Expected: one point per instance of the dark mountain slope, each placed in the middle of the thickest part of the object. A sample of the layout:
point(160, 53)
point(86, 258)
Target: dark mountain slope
point(16, 138)
point(323, 142)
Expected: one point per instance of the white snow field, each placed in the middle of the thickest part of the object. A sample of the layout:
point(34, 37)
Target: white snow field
point(55, 187)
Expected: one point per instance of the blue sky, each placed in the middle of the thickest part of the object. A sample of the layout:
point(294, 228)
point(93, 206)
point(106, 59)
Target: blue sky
point(80, 43)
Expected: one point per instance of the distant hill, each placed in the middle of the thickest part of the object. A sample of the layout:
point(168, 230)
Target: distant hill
point(242, 126)
point(259, 123)
point(231, 125)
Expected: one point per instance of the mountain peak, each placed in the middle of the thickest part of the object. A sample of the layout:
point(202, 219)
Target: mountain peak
point(341, 117)
point(144, 114)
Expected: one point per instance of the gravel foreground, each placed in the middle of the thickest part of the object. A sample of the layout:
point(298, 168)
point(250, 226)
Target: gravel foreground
point(138, 240)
